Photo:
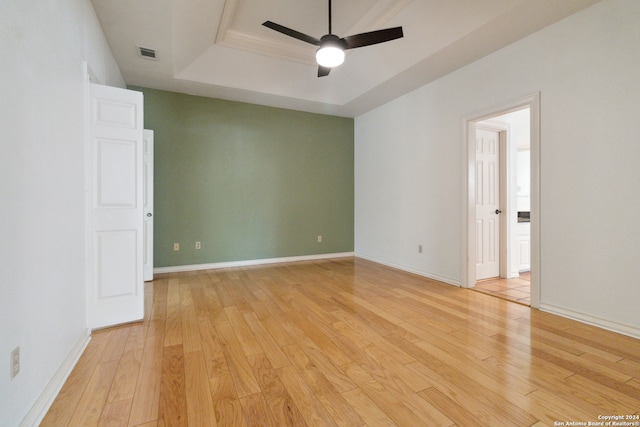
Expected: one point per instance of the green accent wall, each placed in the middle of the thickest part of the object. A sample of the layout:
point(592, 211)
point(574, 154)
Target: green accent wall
point(247, 181)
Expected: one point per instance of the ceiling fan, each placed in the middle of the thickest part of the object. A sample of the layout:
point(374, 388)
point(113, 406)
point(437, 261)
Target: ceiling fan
point(331, 48)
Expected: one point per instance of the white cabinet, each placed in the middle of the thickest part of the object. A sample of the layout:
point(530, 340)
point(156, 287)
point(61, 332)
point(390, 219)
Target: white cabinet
point(523, 231)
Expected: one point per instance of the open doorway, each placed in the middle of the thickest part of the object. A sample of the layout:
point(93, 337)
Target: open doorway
point(502, 228)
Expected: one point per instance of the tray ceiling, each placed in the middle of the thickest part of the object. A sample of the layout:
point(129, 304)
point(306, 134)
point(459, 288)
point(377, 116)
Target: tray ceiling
point(220, 49)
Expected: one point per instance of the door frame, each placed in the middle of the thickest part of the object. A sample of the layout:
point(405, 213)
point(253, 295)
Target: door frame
point(148, 147)
point(469, 198)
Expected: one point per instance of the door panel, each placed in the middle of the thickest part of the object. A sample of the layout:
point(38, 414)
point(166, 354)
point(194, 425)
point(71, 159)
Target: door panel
point(487, 203)
point(116, 189)
point(116, 206)
point(116, 263)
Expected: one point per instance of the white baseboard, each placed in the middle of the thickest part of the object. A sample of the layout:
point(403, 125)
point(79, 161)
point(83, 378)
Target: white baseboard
point(230, 264)
point(43, 403)
point(609, 325)
point(412, 270)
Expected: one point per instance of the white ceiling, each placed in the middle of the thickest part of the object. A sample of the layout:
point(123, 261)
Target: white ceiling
point(218, 48)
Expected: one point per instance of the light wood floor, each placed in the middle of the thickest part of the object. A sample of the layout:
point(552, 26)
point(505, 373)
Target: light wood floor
point(517, 289)
point(344, 343)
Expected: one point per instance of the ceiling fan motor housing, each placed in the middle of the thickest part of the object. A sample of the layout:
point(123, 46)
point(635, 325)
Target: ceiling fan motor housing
point(332, 40)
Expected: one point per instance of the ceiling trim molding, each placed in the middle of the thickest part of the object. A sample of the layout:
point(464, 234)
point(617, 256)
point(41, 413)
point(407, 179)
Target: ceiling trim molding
point(236, 39)
point(228, 13)
point(376, 19)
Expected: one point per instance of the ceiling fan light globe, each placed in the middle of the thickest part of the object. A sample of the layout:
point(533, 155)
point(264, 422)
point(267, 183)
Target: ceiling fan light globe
point(330, 56)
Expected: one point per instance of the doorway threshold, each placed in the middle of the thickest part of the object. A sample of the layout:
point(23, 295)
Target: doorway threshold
point(516, 290)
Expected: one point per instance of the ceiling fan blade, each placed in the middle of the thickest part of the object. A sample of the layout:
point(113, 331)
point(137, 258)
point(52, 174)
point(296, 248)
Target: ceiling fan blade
point(291, 33)
point(373, 37)
point(323, 71)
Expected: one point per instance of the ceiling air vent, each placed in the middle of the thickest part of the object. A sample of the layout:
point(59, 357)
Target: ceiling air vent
point(145, 52)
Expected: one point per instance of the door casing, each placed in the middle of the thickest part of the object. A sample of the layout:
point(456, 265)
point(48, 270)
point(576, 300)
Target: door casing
point(469, 200)
point(148, 204)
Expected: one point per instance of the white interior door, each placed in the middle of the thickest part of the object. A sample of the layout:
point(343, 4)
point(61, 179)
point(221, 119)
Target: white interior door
point(116, 206)
point(148, 204)
point(487, 203)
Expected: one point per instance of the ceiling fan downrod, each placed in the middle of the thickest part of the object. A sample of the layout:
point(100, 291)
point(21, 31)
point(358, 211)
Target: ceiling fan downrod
point(330, 17)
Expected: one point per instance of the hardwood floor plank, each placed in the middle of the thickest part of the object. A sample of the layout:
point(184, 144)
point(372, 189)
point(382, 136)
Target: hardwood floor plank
point(606, 376)
point(277, 332)
point(335, 354)
point(381, 363)
point(67, 400)
point(241, 295)
point(223, 294)
point(146, 396)
point(245, 382)
point(173, 325)
point(243, 332)
point(371, 413)
point(379, 324)
point(343, 342)
point(191, 339)
point(116, 344)
point(200, 410)
point(216, 310)
point(156, 323)
point(629, 367)
point(341, 412)
point(362, 333)
point(225, 333)
point(549, 408)
point(303, 304)
point(215, 362)
point(271, 349)
point(124, 383)
point(256, 411)
point(333, 373)
point(115, 414)
point(173, 402)
point(458, 413)
point(390, 375)
point(455, 382)
point(390, 404)
point(279, 402)
point(491, 379)
point(634, 382)
point(606, 398)
point(93, 399)
point(310, 408)
point(610, 342)
point(226, 402)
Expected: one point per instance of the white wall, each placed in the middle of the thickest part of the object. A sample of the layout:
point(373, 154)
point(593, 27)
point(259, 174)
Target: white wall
point(410, 179)
point(42, 279)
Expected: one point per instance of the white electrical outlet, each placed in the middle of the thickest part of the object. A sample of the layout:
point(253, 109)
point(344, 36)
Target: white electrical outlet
point(198, 246)
point(15, 362)
point(319, 239)
point(176, 247)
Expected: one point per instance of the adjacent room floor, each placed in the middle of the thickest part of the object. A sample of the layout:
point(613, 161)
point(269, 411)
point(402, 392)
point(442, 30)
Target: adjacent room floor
point(516, 290)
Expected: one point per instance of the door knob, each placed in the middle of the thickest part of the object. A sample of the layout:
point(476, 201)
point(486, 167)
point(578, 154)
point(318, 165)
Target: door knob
point(498, 211)
point(149, 214)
